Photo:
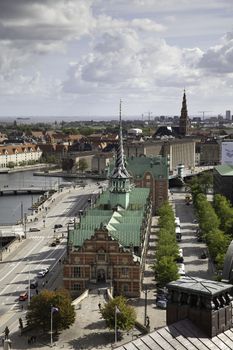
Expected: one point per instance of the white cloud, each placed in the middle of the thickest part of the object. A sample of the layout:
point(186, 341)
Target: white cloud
point(219, 59)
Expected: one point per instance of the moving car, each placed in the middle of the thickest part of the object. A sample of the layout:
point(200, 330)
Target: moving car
point(33, 284)
point(53, 244)
point(23, 296)
point(58, 226)
point(41, 274)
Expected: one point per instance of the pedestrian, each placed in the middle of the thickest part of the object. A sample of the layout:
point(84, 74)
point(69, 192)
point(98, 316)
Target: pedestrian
point(6, 331)
point(98, 292)
point(22, 307)
point(43, 284)
point(37, 292)
point(99, 305)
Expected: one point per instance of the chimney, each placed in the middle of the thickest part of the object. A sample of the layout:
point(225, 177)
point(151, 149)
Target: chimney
point(206, 303)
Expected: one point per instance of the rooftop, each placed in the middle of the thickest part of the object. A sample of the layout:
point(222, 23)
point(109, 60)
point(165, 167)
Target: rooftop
point(224, 170)
point(202, 286)
point(123, 225)
point(182, 335)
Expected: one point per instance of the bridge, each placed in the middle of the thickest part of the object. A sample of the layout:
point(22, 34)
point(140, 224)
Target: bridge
point(22, 190)
point(191, 172)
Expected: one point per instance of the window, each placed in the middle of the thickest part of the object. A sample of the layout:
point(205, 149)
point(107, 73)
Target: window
point(77, 271)
point(101, 257)
point(76, 286)
point(125, 287)
point(125, 271)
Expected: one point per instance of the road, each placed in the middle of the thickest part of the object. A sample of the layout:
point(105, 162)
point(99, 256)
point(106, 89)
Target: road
point(34, 253)
point(192, 250)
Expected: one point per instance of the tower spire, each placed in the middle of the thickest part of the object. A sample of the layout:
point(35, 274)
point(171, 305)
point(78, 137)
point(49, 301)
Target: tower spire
point(184, 119)
point(120, 170)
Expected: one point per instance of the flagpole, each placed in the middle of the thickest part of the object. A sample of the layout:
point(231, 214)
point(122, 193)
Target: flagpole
point(51, 336)
point(115, 324)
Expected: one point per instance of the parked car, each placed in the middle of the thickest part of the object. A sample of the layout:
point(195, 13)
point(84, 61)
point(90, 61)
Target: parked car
point(203, 255)
point(23, 296)
point(181, 269)
point(53, 244)
point(162, 304)
point(34, 229)
point(57, 240)
point(180, 258)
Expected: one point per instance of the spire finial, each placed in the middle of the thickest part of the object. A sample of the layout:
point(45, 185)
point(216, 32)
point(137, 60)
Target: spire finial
point(120, 110)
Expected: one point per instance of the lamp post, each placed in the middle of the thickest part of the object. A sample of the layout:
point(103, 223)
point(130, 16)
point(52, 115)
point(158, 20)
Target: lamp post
point(117, 311)
point(1, 245)
point(29, 283)
point(145, 314)
point(51, 324)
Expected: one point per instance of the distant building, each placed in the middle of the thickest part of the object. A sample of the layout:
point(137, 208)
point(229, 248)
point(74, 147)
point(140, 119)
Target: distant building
point(19, 154)
point(210, 152)
point(228, 115)
point(108, 245)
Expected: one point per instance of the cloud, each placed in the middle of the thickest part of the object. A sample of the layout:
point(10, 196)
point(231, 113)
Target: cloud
point(219, 59)
point(121, 60)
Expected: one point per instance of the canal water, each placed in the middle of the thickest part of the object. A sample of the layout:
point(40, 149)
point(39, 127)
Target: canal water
point(13, 207)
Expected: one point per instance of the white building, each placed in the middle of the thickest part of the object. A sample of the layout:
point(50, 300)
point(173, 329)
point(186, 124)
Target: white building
point(18, 154)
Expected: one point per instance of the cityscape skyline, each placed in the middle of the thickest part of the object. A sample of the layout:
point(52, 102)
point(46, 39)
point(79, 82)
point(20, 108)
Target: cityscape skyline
point(78, 58)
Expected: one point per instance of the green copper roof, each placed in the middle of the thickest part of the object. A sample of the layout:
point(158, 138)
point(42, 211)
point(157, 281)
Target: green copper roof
point(157, 166)
point(225, 170)
point(123, 225)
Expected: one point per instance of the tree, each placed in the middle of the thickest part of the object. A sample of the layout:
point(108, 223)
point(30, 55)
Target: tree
point(82, 165)
point(38, 314)
point(217, 242)
point(125, 318)
point(166, 270)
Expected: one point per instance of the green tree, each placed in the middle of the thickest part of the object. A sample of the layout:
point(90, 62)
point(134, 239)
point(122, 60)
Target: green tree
point(217, 242)
point(39, 310)
point(125, 318)
point(166, 270)
point(82, 165)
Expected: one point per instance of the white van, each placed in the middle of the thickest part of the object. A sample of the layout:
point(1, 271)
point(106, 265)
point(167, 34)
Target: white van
point(177, 221)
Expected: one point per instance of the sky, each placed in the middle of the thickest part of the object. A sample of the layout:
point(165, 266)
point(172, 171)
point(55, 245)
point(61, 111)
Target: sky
point(80, 57)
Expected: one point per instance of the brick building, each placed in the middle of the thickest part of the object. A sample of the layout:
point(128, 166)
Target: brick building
point(108, 245)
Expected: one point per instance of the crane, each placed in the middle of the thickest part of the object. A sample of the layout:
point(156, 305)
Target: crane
point(203, 113)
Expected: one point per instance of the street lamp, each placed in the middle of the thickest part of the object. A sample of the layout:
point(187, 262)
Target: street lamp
point(29, 283)
point(145, 314)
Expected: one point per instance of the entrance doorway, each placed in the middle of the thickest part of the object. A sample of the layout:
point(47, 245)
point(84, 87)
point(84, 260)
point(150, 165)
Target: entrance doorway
point(101, 275)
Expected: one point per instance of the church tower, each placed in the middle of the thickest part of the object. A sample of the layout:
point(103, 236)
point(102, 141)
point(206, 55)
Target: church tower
point(184, 125)
point(119, 179)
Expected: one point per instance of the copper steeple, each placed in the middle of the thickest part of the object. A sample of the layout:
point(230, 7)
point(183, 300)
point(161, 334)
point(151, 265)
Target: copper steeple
point(120, 170)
